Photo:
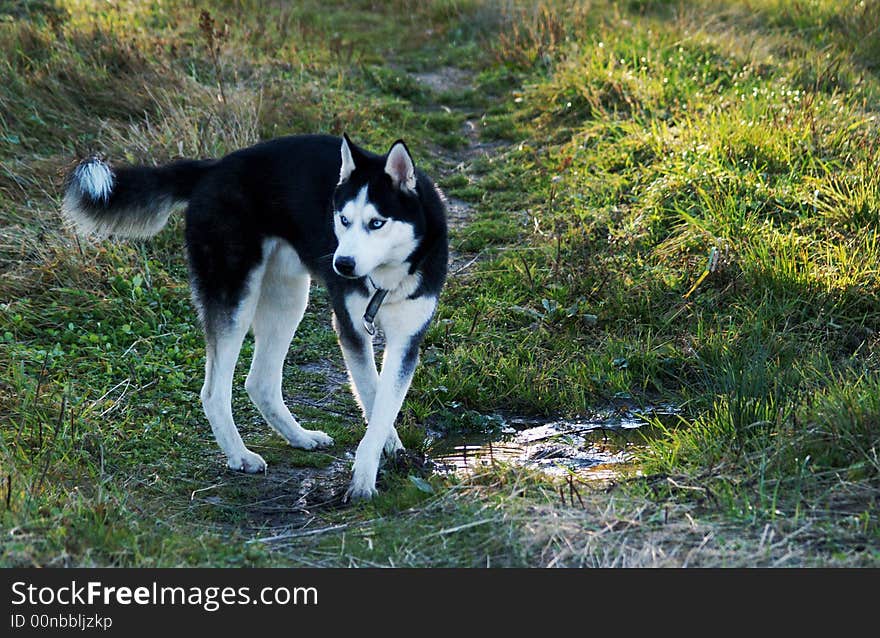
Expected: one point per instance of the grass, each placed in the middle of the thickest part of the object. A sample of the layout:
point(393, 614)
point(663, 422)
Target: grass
point(671, 202)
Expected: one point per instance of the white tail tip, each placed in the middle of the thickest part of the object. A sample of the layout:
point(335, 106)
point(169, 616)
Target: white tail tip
point(95, 179)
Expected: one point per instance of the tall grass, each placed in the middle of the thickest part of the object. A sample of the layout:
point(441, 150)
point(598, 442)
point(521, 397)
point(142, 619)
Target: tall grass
point(696, 200)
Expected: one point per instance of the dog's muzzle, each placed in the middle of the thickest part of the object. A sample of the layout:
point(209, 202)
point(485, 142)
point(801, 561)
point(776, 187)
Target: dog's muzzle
point(344, 267)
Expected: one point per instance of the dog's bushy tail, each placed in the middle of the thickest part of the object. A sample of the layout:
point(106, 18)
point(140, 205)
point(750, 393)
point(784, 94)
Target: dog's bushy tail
point(132, 201)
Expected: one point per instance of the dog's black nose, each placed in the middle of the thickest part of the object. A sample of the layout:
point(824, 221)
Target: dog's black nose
point(344, 266)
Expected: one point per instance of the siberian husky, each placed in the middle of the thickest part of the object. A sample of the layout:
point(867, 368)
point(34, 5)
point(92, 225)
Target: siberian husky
point(260, 224)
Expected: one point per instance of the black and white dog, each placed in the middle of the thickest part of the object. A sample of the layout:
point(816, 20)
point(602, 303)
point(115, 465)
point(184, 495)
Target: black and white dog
point(260, 223)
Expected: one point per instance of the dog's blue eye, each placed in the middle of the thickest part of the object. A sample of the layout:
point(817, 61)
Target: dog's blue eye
point(344, 220)
point(376, 224)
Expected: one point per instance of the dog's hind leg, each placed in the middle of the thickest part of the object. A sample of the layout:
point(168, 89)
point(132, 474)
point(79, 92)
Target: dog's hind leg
point(283, 298)
point(224, 339)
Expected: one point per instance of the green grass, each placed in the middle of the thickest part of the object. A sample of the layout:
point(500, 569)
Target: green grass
point(629, 147)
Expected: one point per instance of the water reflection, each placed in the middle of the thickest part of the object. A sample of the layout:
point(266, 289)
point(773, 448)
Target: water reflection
point(594, 449)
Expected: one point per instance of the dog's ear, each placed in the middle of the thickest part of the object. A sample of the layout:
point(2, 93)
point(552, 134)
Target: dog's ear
point(347, 167)
point(400, 168)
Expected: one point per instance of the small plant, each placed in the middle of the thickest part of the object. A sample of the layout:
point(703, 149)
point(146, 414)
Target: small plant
point(555, 313)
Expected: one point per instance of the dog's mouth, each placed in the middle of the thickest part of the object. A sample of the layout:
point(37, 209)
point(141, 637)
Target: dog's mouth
point(348, 275)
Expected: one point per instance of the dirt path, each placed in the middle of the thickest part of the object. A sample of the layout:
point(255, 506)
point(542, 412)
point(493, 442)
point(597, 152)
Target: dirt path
point(458, 161)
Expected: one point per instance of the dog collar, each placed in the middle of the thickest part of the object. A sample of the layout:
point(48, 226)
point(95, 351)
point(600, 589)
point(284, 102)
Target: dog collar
point(372, 309)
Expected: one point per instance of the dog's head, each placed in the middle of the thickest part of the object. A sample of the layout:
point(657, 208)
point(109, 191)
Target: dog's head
point(377, 213)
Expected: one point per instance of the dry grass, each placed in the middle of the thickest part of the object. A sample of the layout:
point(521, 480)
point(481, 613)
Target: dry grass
point(502, 518)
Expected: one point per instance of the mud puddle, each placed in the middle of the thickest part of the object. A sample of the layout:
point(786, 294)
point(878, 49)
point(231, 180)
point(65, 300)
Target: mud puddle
point(595, 449)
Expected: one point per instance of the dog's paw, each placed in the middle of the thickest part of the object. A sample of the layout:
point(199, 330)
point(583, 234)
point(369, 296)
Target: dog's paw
point(393, 444)
point(310, 439)
point(321, 439)
point(362, 488)
point(359, 493)
point(247, 462)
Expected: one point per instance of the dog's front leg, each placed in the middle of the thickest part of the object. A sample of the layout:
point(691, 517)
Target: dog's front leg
point(364, 380)
point(398, 365)
point(357, 350)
